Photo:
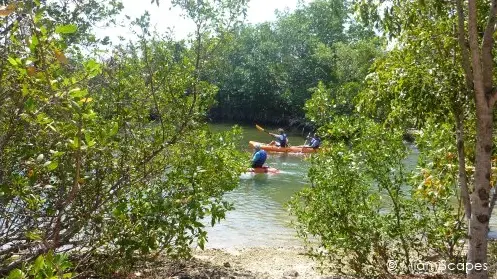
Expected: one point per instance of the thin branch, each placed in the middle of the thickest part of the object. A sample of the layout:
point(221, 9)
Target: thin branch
point(486, 49)
point(475, 54)
point(8, 28)
point(152, 88)
point(468, 74)
point(463, 178)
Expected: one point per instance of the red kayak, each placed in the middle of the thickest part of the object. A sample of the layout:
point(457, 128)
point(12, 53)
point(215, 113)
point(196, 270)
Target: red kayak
point(263, 170)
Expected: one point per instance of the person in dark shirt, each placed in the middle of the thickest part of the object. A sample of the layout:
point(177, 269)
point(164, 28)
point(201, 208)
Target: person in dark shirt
point(315, 141)
point(281, 138)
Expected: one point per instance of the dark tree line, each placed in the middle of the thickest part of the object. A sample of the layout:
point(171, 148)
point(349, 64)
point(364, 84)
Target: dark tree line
point(269, 70)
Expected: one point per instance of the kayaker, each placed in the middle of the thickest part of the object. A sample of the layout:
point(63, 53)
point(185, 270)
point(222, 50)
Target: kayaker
point(315, 141)
point(259, 157)
point(281, 138)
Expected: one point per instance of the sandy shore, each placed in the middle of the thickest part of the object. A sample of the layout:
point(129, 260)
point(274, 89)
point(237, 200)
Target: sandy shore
point(248, 263)
point(265, 262)
point(243, 263)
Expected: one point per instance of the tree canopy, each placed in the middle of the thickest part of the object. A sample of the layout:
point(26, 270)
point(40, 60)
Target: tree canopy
point(106, 160)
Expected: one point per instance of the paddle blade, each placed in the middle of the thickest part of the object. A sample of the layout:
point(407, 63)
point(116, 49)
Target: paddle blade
point(259, 128)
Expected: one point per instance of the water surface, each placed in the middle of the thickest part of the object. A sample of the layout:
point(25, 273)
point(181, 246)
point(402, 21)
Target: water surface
point(260, 217)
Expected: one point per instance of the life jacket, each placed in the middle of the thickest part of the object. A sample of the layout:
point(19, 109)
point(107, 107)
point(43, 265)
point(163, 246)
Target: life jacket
point(283, 142)
point(262, 157)
point(315, 143)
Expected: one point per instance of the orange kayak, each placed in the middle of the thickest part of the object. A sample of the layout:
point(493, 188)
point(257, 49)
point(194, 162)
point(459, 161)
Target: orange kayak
point(263, 170)
point(289, 149)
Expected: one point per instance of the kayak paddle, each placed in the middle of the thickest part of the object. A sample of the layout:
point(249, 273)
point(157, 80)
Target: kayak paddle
point(307, 138)
point(261, 129)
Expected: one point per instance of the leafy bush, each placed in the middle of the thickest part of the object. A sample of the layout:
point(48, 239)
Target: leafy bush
point(84, 168)
point(46, 266)
point(361, 211)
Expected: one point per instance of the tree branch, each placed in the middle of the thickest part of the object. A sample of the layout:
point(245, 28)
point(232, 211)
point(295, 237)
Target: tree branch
point(478, 85)
point(463, 178)
point(8, 28)
point(486, 49)
point(468, 74)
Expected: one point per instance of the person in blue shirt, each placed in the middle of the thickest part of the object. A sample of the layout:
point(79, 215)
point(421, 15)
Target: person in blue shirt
point(281, 138)
point(259, 157)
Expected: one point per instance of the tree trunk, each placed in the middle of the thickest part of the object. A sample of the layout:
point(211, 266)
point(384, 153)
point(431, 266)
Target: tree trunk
point(478, 225)
point(484, 97)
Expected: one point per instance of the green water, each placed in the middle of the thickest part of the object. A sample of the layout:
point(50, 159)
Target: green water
point(260, 217)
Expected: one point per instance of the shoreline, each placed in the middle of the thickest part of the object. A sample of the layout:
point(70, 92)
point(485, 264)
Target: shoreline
point(237, 263)
point(249, 263)
point(267, 262)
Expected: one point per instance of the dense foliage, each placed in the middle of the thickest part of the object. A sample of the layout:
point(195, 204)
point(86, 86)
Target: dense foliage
point(267, 73)
point(368, 210)
point(437, 79)
point(106, 160)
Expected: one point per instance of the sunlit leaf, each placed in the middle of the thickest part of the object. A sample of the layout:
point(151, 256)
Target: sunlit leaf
point(16, 274)
point(34, 43)
point(78, 92)
point(40, 260)
point(66, 29)
point(33, 235)
point(51, 165)
point(89, 141)
point(12, 61)
point(40, 157)
point(114, 129)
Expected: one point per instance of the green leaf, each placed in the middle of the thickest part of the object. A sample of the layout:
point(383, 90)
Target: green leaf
point(66, 29)
point(16, 274)
point(34, 41)
point(25, 90)
point(92, 66)
point(12, 61)
point(89, 141)
point(51, 165)
point(43, 119)
point(56, 154)
point(114, 129)
point(75, 105)
point(43, 30)
point(38, 15)
point(75, 143)
point(30, 104)
point(38, 265)
point(78, 92)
